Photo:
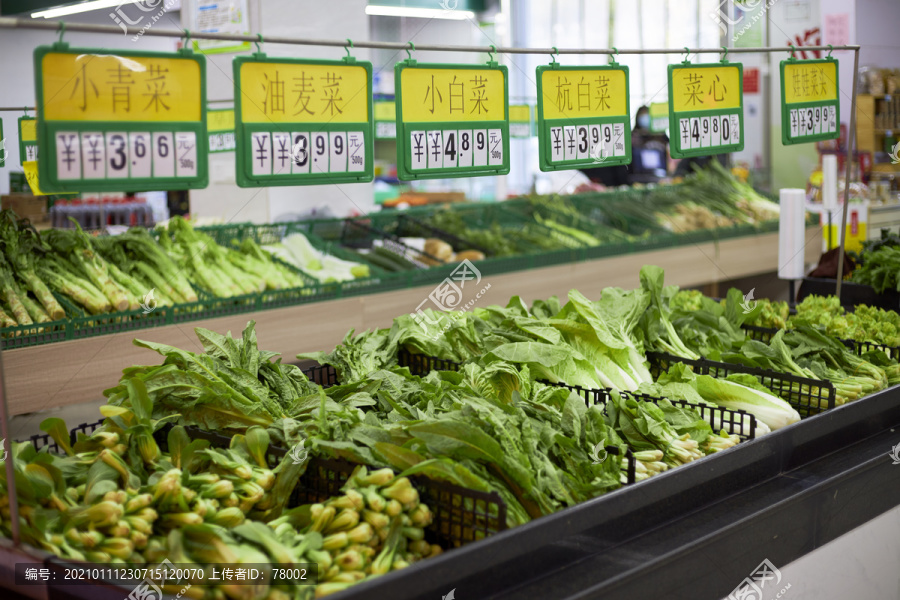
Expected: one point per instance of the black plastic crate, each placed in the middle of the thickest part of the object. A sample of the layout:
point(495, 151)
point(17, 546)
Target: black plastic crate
point(324, 375)
point(422, 364)
point(807, 396)
point(764, 334)
point(461, 515)
point(711, 414)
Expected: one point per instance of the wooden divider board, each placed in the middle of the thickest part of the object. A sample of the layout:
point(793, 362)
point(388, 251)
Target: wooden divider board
point(43, 377)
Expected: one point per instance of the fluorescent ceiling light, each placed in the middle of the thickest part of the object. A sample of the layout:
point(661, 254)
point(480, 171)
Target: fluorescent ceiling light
point(74, 9)
point(421, 13)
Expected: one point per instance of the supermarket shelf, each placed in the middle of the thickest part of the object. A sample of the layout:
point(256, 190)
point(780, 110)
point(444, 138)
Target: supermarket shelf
point(692, 533)
point(78, 371)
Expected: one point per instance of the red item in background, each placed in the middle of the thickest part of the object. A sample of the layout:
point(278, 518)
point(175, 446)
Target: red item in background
point(751, 80)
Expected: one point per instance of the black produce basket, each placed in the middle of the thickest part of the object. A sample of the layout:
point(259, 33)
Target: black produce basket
point(851, 293)
point(461, 515)
point(324, 375)
point(420, 364)
point(807, 396)
point(764, 334)
point(742, 423)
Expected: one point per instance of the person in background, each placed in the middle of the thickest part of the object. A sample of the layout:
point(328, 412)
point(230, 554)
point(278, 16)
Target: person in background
point(649, 150)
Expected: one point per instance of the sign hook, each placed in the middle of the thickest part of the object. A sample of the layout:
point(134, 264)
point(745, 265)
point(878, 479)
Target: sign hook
point(830, 50)
point(615, 52)
point(491, 61)
point(687, 52)
point(62, 30)
point(555, 52)
point(259, 41)
point(725, 55)
point(411, 47)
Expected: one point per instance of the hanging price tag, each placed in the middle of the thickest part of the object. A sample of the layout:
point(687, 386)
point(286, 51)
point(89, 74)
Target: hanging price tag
point(385, 120)
point(659, 116)
point(220, 126)
point(520, 121)
point(303, 122)
point(28, 149)
point(452, 120)
point(125, 121)
point(810, 109)
point(706, 109)
point(583, 118)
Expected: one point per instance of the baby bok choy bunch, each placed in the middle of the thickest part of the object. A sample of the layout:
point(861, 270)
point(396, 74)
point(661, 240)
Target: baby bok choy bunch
point(376, 525)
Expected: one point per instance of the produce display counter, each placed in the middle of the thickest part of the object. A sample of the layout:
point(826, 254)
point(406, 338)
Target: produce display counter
point(78, 371)
point(693, 532)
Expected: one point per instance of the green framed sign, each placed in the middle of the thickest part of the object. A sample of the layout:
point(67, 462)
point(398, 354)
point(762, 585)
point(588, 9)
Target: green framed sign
point(28, 148)
point(520, 122)
point(452, 120)
point(582, 116)
point(706, 108)
point(810, 105)
point(659, 116)
point(303, 122)
point(385, 120)
point(220, 127)
point(114, 121)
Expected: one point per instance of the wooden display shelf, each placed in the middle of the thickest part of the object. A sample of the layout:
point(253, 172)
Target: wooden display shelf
point(77, 371)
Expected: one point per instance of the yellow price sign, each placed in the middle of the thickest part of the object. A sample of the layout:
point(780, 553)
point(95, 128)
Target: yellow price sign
point(519, 113)
point(707, 88)
point(31, 176)
point(281, 92)
point(810, 82)
point(219, 120)
point(385, 111)
point(111, 87)
point(583, 93)
point(442, 95)
point(28, 130)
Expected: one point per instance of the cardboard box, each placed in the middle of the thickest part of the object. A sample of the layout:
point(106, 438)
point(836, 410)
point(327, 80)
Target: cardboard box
point(26, 206)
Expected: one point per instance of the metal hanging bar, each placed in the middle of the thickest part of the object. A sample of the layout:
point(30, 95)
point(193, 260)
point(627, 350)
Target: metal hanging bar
point(16, 23)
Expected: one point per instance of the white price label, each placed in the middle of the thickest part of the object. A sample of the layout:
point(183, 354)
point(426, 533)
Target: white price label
point(705, 137)
point(583, 140)
point(570, 147)
point(596, 150)
point(356, 152)
point(435, 147)
point(619, 139)
point(185, 154)
point(93, 155)
point(556, 144)
point(319, 151)
point(465, 147)
point(480, 148)
point(338, 156)
point(450, 148)
point(141, 157)
point(418, 150)
point(117, 155)
point(163, 154)
point(261, 153)
point(495, 143)
point(715, 132)
point(300, 153)
point(281, 153)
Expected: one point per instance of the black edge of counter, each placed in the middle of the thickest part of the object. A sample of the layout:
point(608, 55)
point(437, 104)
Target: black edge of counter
point(693, 532)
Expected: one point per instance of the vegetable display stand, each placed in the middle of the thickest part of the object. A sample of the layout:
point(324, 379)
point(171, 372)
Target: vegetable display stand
point(807, 396)
point(657, 539)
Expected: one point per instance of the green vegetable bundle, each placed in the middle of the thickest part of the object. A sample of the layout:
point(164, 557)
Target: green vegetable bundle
point(224, 272)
